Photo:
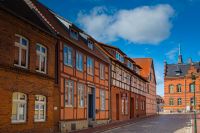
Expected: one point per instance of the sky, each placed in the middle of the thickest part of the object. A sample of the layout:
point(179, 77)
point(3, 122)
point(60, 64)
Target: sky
point(140, 28)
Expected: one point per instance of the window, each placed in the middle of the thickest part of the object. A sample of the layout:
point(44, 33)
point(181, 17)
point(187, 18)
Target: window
point(192, 101)
point(19, 103)
point(67, 55)
point(125, 105)
point(41, 60)
point(79, 61)
point(69, 93)
point(150, 77)
point(21, 51)
point(171, 101)
point(179, 101)
point(90, 65)
point(119, 57)
point(73, 34)
point(102, 71)
point(129, 64)
point(179, 88)
point(103, 99)
point(171, 89)
point(90, 45)
point(192, 87)
point(81, 95)
point(40, 108)
point(136, 103)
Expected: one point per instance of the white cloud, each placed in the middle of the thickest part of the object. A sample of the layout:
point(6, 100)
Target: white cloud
point(146, 24)
point(172, 53)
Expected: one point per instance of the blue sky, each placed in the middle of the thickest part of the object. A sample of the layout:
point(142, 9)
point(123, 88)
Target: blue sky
point(140, 28)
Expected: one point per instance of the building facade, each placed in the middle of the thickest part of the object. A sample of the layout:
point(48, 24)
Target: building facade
point(179, 87)
point(128, 88)
point(160, 103)
point(148, 73)
point(83, 75)
point(29, 96)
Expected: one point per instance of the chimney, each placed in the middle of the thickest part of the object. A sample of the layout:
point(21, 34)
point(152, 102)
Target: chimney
point(165, 67)
point(180, 60)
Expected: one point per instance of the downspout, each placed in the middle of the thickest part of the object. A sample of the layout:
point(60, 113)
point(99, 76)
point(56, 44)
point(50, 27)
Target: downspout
point(130, 94)
point(185, 94)
point(109, 81)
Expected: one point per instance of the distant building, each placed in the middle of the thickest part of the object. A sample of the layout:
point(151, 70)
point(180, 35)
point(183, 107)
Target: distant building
point(148, 73)
point(179, 87)
point(160, 103)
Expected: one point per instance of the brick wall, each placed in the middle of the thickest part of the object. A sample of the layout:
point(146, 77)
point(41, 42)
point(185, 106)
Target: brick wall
point(28, 81)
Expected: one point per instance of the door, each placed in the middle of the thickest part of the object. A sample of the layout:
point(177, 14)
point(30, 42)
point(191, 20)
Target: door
point(117, 106)
point(132, 107)
point(90, 106)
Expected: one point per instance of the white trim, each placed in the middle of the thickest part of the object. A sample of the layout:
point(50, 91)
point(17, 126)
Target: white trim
point(41, 54)
point(39, 103)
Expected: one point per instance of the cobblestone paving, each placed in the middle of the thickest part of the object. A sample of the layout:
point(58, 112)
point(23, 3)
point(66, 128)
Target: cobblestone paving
point(173, 123)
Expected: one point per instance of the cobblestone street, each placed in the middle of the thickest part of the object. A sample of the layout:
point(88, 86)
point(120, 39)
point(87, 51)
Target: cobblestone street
point(173, 123)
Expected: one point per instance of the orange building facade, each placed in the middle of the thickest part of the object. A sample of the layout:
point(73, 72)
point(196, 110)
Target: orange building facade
point(179, 87)
point(148, 73)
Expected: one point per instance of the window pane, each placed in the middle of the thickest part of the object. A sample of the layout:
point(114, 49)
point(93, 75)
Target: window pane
point(37, 61)
point(36, 114)
point(43, 50)
point(14, 111)
point(24, 42)
point(21, 111)
point(23, 57)
point(43, 60)
point(16, 61)
point(37, 47)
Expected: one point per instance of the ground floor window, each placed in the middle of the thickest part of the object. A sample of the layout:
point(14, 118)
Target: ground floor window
point(103, 99)
point(19, 103)
point(125, 105)
point(81, 94)
point(40, 108)
point(179, 101)
point(171, 101)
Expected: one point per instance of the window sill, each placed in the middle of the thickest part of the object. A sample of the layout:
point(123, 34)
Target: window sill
point(41, 72)
point(18, 122)
point(67, 65)
point(79, 70)
point(39, 121)
point(68, 106)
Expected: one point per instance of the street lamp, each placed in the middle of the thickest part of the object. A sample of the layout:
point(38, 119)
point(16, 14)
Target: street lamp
point(195, 119)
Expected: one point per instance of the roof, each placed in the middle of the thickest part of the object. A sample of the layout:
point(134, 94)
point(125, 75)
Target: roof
point(176, 70)
point(145, 63)
point(62, 27)
point(22, 10)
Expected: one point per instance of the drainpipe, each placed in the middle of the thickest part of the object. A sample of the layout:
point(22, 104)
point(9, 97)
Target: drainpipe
point(185, 93)
point(109, 82)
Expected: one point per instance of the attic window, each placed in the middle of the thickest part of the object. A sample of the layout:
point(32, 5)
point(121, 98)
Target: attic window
point(90, 45)
point(119, 57)
point(129, 64)
point(73, 34)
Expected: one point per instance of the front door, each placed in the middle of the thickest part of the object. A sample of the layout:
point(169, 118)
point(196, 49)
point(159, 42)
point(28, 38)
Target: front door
point(117, 106)
point(132, 107)
point(91, 104)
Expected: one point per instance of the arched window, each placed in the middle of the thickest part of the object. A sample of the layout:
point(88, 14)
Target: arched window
point(19, 103)
point(179, 88)
point(192, 87)
point(171, 89)
point(179, 101)
point(40, 108)
point(41, 60)
point(171, 101)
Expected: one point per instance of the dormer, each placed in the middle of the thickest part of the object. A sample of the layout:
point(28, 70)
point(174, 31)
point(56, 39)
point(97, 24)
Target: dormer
point(119, 57)
point(129, 64)
point(90, 44)
point(73, 33)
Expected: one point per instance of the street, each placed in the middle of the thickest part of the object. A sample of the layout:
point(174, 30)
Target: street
point(171, 123)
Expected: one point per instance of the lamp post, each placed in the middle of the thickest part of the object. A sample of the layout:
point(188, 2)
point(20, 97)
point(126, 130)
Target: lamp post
point(195, 120)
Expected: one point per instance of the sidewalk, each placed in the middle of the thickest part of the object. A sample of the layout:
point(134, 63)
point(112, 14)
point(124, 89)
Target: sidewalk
point(198, 123)
point(111, 125)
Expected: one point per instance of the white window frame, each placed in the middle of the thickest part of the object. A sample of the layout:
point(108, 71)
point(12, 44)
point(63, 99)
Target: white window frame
point(72, 34)
point(40, 103)
point(119, 57)
point(69, 84)
point(79, 64)
point(90, 45)
point(81, 95)
point(21, 46)
point(90, 66)
point(179, 101)
point(179, 90)
point(102, 71)
point(41, 54)
point(18, 101)
point(66, 60)
point(103, 99)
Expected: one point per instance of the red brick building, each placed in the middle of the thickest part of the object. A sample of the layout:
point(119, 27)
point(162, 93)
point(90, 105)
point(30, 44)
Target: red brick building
point(148, 73)
point(83, 75)
point(29, 96)
point(128, 88)
point(179, 88)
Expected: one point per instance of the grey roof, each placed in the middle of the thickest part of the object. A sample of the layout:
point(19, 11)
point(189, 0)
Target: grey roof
point(176, 70)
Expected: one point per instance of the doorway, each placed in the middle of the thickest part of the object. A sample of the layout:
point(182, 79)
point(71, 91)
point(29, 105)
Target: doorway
point(91, 104)
point(132, 107)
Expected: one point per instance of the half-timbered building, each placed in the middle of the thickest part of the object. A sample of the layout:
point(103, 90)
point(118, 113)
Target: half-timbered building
point(83, 75)
point(128, 88)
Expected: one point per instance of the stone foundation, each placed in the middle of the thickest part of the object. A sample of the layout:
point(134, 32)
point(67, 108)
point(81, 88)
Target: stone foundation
point(67, 126)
